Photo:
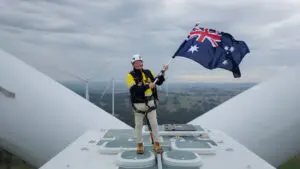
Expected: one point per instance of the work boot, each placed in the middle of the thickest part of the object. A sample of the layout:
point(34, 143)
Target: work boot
point(157, 148)
point(140, 148)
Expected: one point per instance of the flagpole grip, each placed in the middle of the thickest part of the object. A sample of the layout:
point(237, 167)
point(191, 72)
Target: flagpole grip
point(162, 71)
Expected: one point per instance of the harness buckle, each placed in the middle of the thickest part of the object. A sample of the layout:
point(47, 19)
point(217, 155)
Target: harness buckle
point(150, 108)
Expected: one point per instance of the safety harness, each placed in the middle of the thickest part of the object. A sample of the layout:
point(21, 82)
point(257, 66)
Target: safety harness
point(146, 99)
point(150, 108)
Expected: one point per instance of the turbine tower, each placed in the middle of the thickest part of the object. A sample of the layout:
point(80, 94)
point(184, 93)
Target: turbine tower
point(113, 89)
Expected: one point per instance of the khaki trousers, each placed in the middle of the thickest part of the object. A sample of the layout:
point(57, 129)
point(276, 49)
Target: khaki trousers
point(139, 117)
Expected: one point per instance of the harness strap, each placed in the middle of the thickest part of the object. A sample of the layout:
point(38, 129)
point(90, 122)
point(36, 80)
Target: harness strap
point(150, 108)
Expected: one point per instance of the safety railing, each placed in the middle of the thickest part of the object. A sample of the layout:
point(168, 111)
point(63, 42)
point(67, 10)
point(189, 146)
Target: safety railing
point(7, 93)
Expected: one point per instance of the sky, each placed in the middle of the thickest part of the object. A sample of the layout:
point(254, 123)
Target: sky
point(95, 39)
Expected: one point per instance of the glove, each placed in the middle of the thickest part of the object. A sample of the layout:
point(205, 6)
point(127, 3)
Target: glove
point(165, 68)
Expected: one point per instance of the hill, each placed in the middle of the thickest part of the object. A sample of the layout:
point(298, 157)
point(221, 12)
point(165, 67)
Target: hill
point(173, 107)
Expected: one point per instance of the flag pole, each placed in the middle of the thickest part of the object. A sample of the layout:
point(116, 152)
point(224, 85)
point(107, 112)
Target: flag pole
point(162, 71)
point(172, 58)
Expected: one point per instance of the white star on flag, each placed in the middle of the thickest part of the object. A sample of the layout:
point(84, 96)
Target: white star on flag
point(193, 48)
point(225, 62)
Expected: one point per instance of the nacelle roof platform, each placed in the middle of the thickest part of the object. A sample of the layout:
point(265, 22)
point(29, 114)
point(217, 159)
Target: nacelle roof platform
point(185, 146)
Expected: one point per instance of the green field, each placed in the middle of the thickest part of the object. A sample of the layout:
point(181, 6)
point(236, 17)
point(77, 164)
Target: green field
point(293, 163)
point(9, 161)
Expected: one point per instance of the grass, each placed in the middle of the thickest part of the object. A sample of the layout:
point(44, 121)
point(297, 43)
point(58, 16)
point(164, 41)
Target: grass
point(293, 163)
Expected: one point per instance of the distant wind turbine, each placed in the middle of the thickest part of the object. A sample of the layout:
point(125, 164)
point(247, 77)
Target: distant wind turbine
point(112, 81)
point(165, 86)
point(85, 80)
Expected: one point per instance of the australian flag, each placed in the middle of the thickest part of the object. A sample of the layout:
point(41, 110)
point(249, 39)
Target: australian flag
point(213, 49)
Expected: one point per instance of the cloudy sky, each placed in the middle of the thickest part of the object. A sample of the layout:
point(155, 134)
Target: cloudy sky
point(97, 37)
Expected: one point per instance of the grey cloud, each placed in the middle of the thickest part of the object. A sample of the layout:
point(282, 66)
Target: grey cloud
point(80, 35)
point(61, 2)
point(38, 17)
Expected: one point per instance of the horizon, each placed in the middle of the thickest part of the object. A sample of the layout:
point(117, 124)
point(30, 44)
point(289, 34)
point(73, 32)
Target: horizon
point(100, 87)
point(170, 83)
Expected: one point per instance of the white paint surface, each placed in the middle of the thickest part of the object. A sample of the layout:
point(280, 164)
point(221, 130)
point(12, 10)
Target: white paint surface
point(82, 154)
point(264, 118)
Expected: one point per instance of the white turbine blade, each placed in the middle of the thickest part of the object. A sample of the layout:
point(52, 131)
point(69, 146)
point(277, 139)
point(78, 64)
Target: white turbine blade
point(45, 116)
point(264, 118)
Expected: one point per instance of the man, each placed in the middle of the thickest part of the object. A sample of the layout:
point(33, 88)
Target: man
point(143, 98)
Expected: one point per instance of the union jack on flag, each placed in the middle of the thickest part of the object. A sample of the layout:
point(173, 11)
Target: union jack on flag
point(204, 33)
point(213, 49)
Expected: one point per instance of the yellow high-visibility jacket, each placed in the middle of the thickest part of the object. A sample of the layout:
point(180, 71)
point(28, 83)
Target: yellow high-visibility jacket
point(139, 84)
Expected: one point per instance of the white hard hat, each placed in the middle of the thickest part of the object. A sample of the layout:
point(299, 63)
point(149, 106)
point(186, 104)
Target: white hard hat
point(136, 57)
